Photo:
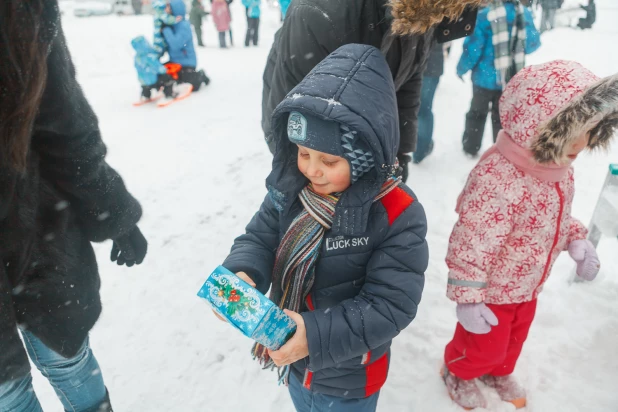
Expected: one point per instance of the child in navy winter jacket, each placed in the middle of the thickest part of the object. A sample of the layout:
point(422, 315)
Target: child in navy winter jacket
point(339, 239)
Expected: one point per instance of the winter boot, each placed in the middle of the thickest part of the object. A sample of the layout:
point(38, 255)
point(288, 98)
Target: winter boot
point(508, 388)
point(205, 79)
point(465, 393)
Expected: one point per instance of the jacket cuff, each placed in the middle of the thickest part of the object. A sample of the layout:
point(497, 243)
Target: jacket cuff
point(464, 291)
point(116, 221)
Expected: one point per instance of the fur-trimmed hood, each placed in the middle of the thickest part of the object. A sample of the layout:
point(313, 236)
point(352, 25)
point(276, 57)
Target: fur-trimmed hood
point(546, 107)
point(418, 16)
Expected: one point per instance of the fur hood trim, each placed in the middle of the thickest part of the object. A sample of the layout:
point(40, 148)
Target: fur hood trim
point(595, 110)
point(418, 16)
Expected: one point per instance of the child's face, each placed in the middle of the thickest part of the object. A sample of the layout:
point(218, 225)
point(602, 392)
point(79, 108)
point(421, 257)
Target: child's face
point(327, 173)
point(168, 8)
point(578, 146)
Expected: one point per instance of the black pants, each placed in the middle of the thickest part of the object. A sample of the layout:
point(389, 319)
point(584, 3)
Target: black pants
point(164, 81)
point(253, 26)
point(476, 117)
point(195, 78)
point(222, 39)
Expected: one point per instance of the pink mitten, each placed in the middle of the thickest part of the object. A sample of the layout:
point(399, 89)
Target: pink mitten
point(476, 317)
point(583, 253)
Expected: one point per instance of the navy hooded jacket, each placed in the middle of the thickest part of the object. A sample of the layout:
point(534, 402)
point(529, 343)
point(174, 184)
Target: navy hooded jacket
point(179, 37)
point(370, 273)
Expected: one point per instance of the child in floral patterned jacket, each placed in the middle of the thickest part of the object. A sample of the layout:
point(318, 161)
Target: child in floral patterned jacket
point(515, 219)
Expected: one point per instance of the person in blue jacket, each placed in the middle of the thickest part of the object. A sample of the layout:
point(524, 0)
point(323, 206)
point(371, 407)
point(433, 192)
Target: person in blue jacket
point(339, 239)
point(480, 57)
point(150, 72)
point(253, 21)
point(179, 39)
point(161, 18)
point(283, 5)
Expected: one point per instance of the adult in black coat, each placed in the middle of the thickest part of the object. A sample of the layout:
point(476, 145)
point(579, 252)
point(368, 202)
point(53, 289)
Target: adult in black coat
point(57, 193)
point(591, 16)
point(313, 29)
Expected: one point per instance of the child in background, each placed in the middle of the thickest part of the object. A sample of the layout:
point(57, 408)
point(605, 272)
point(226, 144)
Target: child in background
point(222, 18)
point(339, 237)
point(161, 18)
point(151, 73)
point(253, 21)
point(515, 219)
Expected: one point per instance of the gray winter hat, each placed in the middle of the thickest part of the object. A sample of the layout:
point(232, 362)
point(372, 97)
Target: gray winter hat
point(332, 138)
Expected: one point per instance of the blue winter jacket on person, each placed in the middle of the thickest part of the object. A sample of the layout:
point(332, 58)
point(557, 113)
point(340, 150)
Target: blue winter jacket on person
point(478, 53)
point(161, 19)
point(369, 275)
point(179, 37)
point(253, 8)
point(284, 4)
point(147, 62)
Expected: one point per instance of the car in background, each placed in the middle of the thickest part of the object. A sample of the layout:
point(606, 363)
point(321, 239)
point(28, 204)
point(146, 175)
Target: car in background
point(87, 8)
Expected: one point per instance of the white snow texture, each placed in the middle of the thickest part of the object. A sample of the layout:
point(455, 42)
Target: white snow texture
point(198, 168)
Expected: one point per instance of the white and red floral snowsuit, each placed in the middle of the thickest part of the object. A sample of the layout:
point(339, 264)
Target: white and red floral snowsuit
point(512, 226)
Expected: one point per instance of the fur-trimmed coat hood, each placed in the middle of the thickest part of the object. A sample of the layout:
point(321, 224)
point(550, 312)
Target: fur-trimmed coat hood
point(418, 16)
point(546, 107)
point(512, 226)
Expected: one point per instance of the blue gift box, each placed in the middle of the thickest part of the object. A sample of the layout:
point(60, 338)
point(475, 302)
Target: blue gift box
point(247, 309)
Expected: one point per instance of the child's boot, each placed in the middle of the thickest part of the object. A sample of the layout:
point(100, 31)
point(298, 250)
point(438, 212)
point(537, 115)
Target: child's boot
point(464, 392)
point(508, 389)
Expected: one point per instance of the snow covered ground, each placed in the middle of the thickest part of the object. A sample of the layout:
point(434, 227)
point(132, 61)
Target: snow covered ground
point(198, 168)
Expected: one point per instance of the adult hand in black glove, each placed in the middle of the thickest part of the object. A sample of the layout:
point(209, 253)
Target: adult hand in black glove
point(130, 249)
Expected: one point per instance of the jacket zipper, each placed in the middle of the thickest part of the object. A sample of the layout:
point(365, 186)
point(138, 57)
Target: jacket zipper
point(556, 237)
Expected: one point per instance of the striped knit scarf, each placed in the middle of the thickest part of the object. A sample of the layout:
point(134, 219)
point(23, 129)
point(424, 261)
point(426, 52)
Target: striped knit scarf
point(510, 54)
point(293, 273)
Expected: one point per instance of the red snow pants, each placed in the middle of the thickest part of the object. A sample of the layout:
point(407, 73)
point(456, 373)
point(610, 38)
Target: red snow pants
point(470, 356)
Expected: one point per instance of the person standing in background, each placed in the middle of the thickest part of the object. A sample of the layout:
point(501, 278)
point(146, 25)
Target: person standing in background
point(284, 4)
point(591, 16)
point(494, 53)
point(196, 15)
point(222, 18)
point(137, 6)
point(431, 78)
point(253, 21)
point(548, 18)
point(229, 10)
point(403, 30)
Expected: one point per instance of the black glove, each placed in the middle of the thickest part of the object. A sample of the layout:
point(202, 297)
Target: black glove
point(404, 159)
point(130, 249)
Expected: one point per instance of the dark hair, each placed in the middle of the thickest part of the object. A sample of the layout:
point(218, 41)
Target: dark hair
point(23, 75)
